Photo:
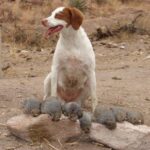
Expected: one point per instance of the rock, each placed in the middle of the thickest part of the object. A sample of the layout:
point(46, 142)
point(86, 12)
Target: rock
point(31, 128)
point(122, 47)
point(28, 58)
point(147, 57)
point(24, 51)
point(24, 54)
point(125, 137)
point(5, 66)
point(116, 78)
point(112, 45)
point(31, 75)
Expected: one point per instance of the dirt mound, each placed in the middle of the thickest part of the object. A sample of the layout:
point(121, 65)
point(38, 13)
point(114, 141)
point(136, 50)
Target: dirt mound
point(127, 20)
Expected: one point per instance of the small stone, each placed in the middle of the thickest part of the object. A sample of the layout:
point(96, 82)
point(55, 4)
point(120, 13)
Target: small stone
point(116, 78)
point(30, 75)
point(147, 99)
point(122, 47)
point(147, 57)
point(38, 49)
point(112, 45)
point(18, 50)
point(28, 58)
point(5, 66)
point(24, 54)
point(24, 51)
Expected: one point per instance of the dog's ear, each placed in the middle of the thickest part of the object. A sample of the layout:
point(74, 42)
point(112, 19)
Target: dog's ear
point(72, 16)
point(76, 17)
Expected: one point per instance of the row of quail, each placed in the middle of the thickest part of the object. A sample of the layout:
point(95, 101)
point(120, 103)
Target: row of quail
point(53, 107)
point(108, 116)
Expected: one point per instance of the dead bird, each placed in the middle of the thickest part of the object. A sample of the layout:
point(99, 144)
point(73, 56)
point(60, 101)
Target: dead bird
point(72, 110)
point(86, 122)
point(52, 106)
point(120, 113)
point(32, 107)
point(105, 116)
point(135, 117)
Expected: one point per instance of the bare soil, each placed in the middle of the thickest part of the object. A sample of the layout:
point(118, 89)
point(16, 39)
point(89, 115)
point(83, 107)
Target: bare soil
point(123, 78)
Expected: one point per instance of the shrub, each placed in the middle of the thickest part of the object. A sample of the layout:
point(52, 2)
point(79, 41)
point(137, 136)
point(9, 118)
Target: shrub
point(80, 4)
point(101, 1)
point(124, 1)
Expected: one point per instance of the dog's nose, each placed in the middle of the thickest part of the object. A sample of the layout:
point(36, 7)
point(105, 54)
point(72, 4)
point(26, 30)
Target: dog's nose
point(44, 22)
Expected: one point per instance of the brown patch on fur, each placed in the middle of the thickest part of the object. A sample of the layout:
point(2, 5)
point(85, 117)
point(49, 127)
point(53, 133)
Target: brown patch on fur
point(72, 16)
point(69, 94)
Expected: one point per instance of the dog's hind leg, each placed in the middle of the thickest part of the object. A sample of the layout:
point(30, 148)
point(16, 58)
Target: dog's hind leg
point(47, 86)
point(92, 84)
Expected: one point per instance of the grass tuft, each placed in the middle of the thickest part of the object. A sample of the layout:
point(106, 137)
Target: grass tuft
point(80, 4)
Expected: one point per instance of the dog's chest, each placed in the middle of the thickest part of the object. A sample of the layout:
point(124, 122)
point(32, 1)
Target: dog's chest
point(71, 63)
point(72, 77)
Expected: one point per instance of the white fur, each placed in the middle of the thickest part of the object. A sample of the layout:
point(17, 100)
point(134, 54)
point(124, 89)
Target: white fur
point(71, 44)
point(52, 21)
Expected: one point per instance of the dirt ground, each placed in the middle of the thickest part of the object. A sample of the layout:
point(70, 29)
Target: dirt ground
point(123, 79)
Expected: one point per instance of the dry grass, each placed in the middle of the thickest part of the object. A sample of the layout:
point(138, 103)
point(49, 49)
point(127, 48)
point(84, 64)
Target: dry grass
point(80, 4)
point(21, 23)
point(21, 20)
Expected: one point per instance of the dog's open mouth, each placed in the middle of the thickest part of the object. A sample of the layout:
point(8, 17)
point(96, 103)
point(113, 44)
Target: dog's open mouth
point(52, 30)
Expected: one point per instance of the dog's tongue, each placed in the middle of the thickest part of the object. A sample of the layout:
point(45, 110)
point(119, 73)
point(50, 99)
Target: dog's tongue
point(52, 30)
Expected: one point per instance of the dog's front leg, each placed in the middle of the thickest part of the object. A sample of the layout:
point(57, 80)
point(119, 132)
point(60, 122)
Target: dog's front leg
point(54, 75)
point(92, 84)
point(47, 86)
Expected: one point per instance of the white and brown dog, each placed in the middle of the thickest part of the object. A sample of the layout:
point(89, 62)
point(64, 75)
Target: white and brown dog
point(72, 75)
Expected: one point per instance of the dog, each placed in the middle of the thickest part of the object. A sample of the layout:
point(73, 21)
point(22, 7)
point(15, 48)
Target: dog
point(72, 76)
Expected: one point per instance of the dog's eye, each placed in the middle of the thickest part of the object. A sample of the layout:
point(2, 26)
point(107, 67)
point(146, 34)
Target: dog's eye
point(59, 15)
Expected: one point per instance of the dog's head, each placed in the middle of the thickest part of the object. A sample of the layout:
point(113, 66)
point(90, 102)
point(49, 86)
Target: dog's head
point(63, 17)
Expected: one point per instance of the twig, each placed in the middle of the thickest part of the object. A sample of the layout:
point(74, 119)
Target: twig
point(49, 144)
point(0, 51)
point(4, 125)
point(59, 142)
point(3, 107)
point(72, 143)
